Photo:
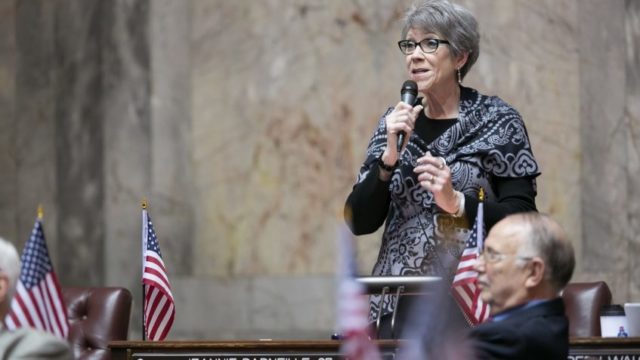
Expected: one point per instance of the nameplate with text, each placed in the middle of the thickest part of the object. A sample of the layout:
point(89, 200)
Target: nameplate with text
point(235, 356)
point(619, 356)
point(604, 349)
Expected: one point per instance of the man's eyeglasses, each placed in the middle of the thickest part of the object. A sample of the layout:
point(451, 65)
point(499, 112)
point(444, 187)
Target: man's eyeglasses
point(428, 45)
point(491, 256)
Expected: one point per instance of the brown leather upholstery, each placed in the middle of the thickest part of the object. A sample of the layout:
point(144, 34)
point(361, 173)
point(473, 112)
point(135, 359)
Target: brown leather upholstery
point(96, 316)
point(582, 303)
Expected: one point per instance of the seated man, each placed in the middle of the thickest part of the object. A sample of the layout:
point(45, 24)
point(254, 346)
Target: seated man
point(527, 261)
point(22, 343)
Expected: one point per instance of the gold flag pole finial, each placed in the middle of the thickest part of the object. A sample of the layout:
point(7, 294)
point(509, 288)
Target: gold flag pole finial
point(40, 212)
point(481, 194)
point(143, 203)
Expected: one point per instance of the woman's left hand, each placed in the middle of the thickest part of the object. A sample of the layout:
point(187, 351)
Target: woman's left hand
point(434, 175)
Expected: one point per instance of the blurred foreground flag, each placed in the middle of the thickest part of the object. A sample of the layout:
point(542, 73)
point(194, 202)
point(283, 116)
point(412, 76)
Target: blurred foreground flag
point(464, 287)
point(158, 307)
point(38, 301)
point(353, 305)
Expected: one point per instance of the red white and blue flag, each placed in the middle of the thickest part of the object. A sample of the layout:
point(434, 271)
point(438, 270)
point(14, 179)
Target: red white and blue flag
point(158, 305)
point(353, 305)
point(38, 301)
point(464, 288)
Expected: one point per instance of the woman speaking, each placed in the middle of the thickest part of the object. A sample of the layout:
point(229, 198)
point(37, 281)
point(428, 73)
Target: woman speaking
point(455, 141)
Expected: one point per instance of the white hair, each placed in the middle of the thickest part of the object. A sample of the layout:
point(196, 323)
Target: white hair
point(10, 265)
point(545, 238)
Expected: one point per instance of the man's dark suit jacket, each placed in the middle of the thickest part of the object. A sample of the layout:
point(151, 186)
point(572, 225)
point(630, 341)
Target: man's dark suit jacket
point(537, 332)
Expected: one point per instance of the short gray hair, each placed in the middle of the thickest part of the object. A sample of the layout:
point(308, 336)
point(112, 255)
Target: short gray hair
point(545, 238)
point(10, 265)
point(451, 21)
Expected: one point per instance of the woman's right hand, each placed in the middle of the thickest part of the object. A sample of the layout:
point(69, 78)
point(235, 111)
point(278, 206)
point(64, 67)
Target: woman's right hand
point(401, 119)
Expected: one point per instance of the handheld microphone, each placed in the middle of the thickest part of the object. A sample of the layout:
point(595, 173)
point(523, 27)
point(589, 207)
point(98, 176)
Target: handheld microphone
point(408, 95)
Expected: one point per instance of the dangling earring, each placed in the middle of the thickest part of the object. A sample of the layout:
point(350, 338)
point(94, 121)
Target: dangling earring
point(459, 77)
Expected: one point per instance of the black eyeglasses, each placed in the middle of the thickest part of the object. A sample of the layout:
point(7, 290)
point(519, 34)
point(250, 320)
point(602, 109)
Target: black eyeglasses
point(428, 45)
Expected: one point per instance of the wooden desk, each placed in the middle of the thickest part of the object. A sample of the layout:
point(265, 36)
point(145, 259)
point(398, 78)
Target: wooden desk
point(580, 349)
point(236, 350)
point(604, 348)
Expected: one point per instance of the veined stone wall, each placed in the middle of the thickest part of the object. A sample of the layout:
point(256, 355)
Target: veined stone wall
point(244, 124)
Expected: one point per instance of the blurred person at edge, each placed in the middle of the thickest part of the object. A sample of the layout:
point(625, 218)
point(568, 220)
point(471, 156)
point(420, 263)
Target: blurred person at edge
point(23, 343)
point(527, 261)
point(456, 142)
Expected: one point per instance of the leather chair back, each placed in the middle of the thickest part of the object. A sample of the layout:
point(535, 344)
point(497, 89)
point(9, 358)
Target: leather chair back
point(96, 317)
point(582, 303)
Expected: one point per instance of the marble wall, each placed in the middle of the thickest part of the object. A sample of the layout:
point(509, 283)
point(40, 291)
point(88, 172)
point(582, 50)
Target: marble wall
point(631, 168)
point(8, 196)
point(603, 131)
point(244, 123)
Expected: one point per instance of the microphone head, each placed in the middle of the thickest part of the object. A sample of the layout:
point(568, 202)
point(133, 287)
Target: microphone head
point(410, 87)
point(409, 92)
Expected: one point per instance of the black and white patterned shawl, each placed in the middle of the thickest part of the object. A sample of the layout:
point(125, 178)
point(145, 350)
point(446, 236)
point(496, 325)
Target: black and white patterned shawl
point(489, 139)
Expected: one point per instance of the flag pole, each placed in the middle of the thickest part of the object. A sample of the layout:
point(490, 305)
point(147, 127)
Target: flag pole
point(144, 235)
point(158, 303)
point(481, 225)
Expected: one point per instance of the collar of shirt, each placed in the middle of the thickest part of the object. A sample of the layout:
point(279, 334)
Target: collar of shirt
point(505, 314)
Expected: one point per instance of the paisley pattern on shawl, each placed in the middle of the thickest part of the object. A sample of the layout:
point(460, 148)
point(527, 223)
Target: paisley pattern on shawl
point(489, 139)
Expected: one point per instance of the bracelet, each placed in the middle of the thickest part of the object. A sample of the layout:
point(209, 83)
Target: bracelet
point(461, 200)
point(386, 167)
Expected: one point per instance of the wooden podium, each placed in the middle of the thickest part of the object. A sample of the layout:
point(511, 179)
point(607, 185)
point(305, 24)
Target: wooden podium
point(397, 287)
point(580, 349)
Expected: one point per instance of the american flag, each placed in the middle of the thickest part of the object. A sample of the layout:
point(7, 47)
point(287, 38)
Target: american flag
point(464, 287)
point(158, 307)
point(38, 301)
point(353, 305)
